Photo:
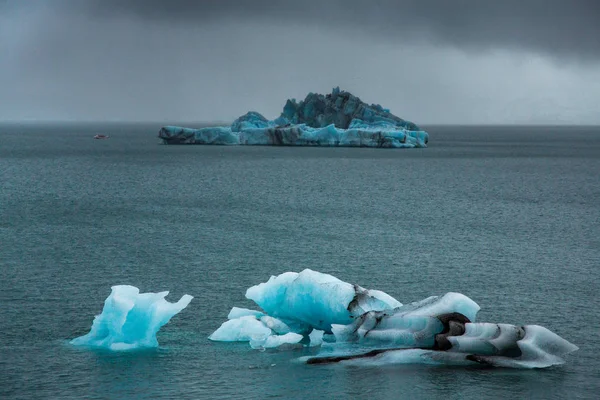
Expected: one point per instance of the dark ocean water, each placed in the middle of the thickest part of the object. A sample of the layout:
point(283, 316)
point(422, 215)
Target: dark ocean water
point(509, 216)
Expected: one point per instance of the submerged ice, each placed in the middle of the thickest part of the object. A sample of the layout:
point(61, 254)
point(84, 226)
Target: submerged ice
point(336, 119)
point(130, 319)
point(354, 325)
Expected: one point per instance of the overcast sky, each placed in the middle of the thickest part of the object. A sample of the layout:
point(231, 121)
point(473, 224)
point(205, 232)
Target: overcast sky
point(479, 61)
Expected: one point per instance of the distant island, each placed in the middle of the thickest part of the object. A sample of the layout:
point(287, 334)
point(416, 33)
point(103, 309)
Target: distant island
point(336, 119)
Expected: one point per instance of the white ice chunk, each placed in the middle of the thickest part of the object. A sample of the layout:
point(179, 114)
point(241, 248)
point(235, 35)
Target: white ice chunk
point(316, 338)
point(411, 325)
point(273, 341)
point(383, 329)
point(437, 305)
point(540, 348)
point(241, 329)
point(237, 312)
point(384, 297)
point(276, 325)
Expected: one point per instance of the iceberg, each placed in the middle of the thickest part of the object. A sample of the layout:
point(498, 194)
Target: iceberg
point(335, 119)
point(305, 304)
point(357, 326)
point(402, 337)
point(317, 300)
point(130, 319)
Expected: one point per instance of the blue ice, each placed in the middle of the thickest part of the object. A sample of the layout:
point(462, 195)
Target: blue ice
point(354, 325)
point(305, 304)
point(317, 300)
point(336, 119)
point(130, 319)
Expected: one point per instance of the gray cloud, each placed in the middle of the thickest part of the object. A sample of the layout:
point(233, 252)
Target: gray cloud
point(430, 62)
point(568, 28)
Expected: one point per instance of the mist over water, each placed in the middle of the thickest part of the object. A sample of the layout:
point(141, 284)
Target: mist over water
point(506, 215)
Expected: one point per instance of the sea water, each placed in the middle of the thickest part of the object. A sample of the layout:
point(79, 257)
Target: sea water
point(509, 216)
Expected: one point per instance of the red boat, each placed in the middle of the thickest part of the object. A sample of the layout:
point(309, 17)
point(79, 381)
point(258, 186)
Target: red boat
point(101, 137)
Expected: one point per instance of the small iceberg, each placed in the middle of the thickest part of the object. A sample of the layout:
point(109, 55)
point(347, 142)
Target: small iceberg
point(358, 326)
point(304, 304)
point(317, 300)
point(130, 319)
point(336, 119)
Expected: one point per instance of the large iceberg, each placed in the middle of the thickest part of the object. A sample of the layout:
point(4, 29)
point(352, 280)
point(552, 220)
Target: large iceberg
point(130, 319)
point(358, 326)
point(335, 119)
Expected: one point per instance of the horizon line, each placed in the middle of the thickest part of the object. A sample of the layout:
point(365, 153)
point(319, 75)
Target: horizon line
point(222, 123)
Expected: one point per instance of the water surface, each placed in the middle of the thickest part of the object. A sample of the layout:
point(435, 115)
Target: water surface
point(509, 216)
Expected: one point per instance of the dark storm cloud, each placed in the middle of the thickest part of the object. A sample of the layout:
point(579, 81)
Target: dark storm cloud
point(568, 28)
point(449, 61)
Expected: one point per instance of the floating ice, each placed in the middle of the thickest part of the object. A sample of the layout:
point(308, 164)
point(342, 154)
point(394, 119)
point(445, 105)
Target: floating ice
point(237, 312)
point(273, 341)
point(316, 299)
point(316, 338)
point(242, 329)
point(130, 319)
point(337, 119)
point(305, 304)
point(368, 327)
point(499, 345)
